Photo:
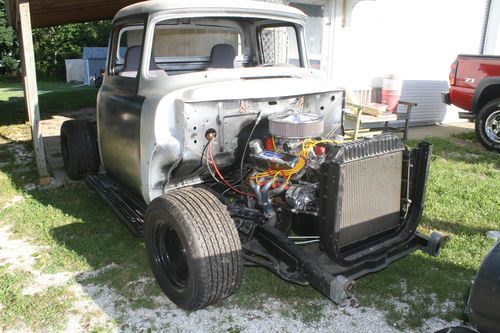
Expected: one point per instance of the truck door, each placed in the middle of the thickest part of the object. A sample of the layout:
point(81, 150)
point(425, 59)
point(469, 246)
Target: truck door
point(119, 106)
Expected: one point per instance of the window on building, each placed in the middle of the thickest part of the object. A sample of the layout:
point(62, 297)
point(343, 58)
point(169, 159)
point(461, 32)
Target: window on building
point(314, 30)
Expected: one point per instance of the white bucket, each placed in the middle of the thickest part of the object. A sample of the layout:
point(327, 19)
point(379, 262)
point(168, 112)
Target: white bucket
point(392, 83)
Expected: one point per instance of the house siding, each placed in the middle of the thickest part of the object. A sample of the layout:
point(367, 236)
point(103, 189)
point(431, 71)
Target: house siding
point(414, 39)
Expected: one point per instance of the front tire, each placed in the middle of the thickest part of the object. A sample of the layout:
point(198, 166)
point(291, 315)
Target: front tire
point(193, 248)
point(488, 125)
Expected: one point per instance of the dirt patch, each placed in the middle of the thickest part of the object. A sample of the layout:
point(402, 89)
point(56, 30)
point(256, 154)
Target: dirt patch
point(13, 201)
point(15, 254)
point(52, 126)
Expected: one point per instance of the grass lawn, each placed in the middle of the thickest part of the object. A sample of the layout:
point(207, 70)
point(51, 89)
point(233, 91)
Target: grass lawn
point(53, 97)
point(75, 232)
point(10, 90)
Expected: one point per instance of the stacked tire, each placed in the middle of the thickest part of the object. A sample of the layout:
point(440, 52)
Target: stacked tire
point(79, 148)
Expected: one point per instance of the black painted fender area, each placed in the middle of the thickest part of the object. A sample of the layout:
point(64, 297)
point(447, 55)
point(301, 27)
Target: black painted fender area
point(487, 90)
point(484, 300)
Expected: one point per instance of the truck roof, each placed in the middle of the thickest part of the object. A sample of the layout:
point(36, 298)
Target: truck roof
point(214, 7)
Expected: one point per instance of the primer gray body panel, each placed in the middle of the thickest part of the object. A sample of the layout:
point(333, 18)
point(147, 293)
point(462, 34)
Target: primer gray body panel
point(119, 131)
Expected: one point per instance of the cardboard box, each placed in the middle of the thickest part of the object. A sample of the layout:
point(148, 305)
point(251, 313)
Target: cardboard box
point(374, 109)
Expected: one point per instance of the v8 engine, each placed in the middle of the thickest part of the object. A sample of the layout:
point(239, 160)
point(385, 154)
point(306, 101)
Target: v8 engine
point(289, 163)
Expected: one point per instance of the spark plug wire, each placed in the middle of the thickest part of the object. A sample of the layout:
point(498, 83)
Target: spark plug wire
point(307, 146)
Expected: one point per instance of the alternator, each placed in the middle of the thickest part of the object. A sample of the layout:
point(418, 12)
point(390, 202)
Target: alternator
point(301, 197)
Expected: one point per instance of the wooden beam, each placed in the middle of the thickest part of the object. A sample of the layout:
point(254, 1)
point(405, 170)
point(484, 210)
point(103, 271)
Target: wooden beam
point(45, 13)
point(30, 87)
point(50, 13)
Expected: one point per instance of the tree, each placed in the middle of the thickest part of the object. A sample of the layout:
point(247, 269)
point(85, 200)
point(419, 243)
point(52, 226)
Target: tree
point(52, 45)
point(9, 55)
point(55, 44)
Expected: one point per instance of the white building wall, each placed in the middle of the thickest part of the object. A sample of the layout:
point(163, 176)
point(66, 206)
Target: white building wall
point(415, 39)
point(492, 40)
point(75, 70)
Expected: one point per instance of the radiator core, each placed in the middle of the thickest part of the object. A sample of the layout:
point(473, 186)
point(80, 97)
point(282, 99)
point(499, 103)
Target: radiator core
point(372, 197)
point(361, 189)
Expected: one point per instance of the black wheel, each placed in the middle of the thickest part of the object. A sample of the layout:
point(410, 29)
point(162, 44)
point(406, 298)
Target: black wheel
point(79, 148)
point(193, 247)
point(488, 125)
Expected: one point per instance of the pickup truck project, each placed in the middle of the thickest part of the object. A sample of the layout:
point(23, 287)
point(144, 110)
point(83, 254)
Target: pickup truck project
point(217, 143)
point(475, 87)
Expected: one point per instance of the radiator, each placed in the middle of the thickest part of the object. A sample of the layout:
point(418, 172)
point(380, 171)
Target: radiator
point(361, 187)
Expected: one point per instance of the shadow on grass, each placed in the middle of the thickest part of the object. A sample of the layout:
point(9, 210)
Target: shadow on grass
point(100, 237)
point(456, 228)
point(464, 153)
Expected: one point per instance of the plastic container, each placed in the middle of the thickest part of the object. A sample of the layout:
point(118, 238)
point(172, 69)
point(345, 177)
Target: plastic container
point(391, 92)
point(391, 98)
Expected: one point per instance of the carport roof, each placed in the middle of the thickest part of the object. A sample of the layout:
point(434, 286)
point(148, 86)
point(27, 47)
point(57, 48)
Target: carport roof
point(46, 13)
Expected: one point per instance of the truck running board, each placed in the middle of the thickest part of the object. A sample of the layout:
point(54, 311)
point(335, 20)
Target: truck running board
point(127, 206)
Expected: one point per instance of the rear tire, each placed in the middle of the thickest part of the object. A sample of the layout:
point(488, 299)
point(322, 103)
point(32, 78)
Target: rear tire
point(193, 248)
point(488, 125)
point(79, 148)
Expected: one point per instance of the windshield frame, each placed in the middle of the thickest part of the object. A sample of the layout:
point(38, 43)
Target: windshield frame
point(280, 20)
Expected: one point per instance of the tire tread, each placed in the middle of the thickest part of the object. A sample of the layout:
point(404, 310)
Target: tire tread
point(82, 147)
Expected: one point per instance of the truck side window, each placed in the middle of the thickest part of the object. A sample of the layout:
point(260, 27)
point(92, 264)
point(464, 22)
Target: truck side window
point(126, 51)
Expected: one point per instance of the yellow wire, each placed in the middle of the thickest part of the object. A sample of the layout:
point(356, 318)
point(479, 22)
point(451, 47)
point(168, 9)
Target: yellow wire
point(274, 178)
point(307, 146)
point(274, 145)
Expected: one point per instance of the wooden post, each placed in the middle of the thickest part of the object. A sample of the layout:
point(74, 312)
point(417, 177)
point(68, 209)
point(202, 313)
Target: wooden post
point(30, 87)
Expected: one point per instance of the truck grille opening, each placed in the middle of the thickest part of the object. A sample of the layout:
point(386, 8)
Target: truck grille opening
point(361, 191)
